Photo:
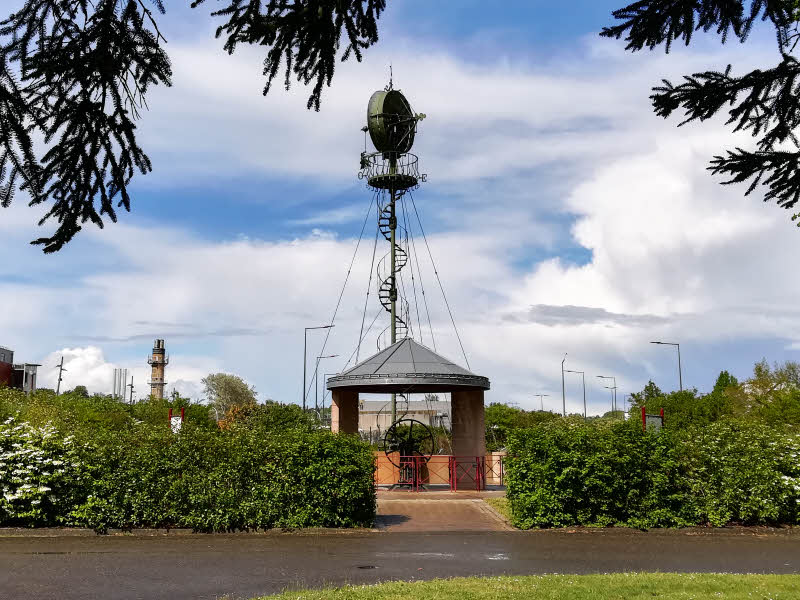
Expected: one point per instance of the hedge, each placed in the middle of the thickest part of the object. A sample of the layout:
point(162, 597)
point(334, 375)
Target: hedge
point(145, 476)
point(569, 473)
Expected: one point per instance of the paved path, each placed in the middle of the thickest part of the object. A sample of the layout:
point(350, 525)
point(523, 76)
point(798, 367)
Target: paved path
point(205, 567)
point(412, 513)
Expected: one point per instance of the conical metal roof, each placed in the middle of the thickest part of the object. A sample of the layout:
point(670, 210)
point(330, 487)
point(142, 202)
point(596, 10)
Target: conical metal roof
point(406, 367)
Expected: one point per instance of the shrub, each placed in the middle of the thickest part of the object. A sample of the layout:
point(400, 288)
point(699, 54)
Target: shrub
point(122, 467)
point(743, 473)
point(232, 479)
point(41, 475)
point(570, 473)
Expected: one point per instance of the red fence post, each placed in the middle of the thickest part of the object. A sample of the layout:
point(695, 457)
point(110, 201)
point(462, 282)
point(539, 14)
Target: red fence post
point(644, 419)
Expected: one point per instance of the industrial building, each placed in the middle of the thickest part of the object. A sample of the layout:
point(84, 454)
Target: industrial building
point(376, 415)
point(21, 376)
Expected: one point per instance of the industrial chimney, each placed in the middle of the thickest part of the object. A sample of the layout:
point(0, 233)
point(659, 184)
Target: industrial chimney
point(158, 361)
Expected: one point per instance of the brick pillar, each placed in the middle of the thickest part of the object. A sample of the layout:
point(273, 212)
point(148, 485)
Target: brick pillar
point(344, 411)
point(469, 430)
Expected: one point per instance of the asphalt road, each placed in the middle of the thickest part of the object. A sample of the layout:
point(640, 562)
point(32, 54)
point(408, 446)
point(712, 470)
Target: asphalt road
point(243, 566)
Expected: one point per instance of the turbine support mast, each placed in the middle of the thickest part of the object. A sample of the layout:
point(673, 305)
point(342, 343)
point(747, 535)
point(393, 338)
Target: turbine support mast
point(392, 126)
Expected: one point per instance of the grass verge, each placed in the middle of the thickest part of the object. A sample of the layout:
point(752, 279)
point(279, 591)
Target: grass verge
point(501, 505)
point(623, 586)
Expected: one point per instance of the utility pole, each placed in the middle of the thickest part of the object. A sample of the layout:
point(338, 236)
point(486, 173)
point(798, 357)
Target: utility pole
point(130, 385)
point(583, 379)
point(563, 388)
point(61, 369)
point(678, 346)
point(316, 382)
point(305, 345)
point(541, 400)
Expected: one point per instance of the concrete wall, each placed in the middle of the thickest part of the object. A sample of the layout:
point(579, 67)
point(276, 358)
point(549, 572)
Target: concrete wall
point(6, 355)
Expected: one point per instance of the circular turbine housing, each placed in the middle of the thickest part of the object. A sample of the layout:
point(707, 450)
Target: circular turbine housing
point(391, 122)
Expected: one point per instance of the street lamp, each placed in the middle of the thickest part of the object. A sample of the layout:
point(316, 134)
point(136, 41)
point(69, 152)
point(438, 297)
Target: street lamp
point(613, 399)
point(678, 346)
point(541, 399)
point(316, 382)
point(583, 378)
point(613, 390)
point(563, 390)
point(305, 340)
point(324, 393)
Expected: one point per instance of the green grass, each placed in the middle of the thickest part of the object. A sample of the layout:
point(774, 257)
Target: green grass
point(624, 586)
point(501, 505)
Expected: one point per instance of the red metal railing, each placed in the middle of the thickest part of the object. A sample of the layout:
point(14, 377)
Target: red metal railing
point(456, 472)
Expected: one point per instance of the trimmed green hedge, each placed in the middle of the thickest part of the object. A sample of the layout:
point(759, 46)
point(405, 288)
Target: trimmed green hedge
point(270, 470)
point(570, 473)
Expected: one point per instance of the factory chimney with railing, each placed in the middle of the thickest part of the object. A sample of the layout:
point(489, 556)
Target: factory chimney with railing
point(158, 361)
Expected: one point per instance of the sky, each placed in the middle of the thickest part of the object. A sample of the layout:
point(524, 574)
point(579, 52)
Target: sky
point(563, 216)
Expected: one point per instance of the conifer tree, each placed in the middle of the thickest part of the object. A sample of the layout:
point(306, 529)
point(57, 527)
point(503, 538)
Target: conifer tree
point(763, 102)
point(74, 78)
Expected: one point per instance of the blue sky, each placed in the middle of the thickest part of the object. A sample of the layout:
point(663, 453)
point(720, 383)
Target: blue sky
point(562, 214)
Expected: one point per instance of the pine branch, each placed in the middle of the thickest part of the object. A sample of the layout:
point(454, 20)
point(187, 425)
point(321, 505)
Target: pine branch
point(85, 70)
point(765, 103)
point(303, 36)
point(650, 23)
point(778, 170)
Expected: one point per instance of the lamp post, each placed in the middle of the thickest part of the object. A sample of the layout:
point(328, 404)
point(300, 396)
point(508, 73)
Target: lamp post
point(613, 390)
point(678, 346)
point(316, 382)
point(324, 393)
point(583, 378)
point(613, 398)
point(563, 390)
point(305, 344)
point(541, 400)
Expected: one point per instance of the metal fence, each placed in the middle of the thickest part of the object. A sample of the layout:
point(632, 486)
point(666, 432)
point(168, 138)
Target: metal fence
point(415, 473)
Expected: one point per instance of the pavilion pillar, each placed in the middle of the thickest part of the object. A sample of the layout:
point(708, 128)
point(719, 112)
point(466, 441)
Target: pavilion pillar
point(469, 433)
point(344, 411)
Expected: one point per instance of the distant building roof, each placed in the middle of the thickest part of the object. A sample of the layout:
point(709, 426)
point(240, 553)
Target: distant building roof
point(407, 366)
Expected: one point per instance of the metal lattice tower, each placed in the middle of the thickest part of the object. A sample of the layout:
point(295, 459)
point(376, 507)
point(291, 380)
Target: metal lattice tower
point(392, 126)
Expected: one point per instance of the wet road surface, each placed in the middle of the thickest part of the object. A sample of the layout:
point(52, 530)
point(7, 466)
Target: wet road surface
point(244, 566)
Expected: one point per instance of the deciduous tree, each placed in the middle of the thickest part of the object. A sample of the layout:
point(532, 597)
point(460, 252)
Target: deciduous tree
point(224, 392)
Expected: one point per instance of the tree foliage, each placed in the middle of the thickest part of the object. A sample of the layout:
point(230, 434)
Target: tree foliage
point(74, 78)
point(226, 392)
point(770, 396)
point(502, 419)
point(763, 102)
